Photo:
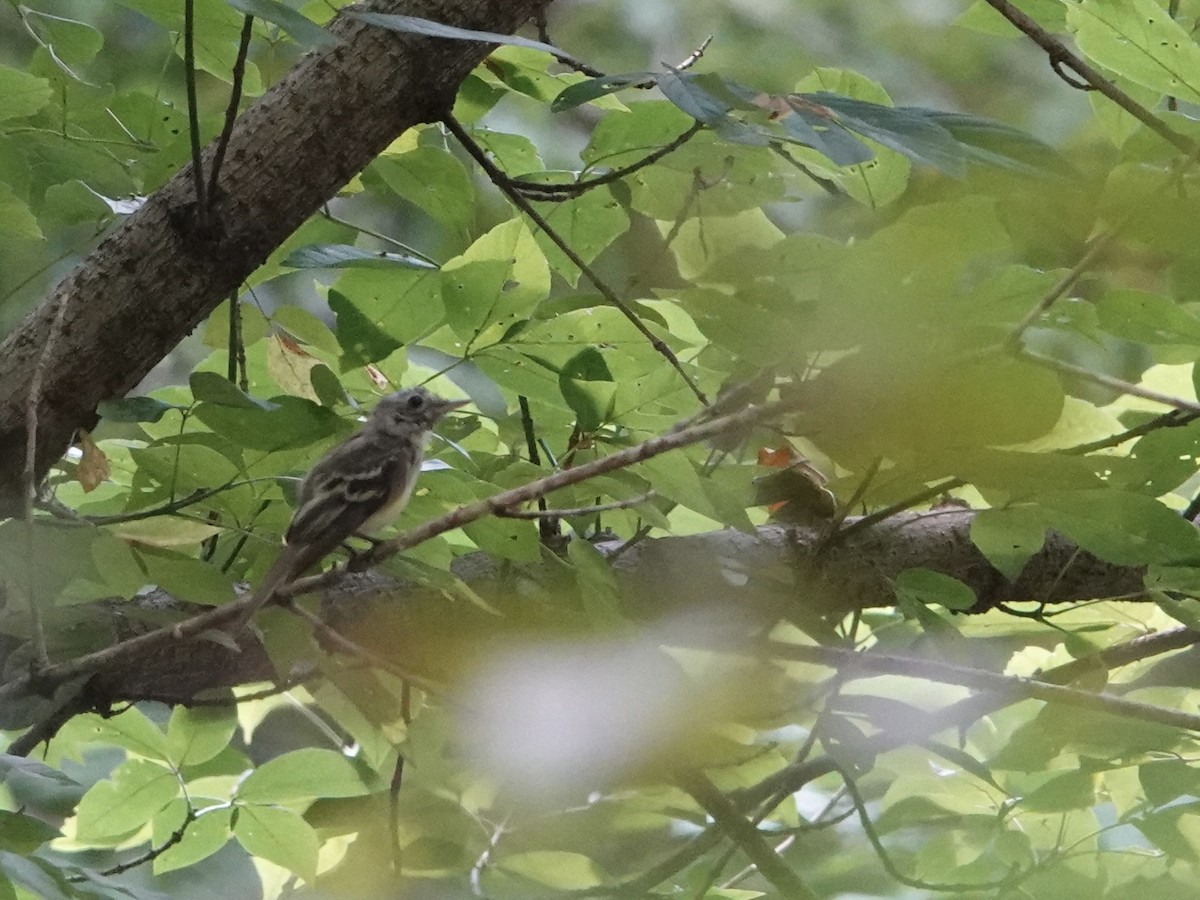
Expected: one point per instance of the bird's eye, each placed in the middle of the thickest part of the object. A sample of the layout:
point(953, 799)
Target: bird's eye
point(416, 401)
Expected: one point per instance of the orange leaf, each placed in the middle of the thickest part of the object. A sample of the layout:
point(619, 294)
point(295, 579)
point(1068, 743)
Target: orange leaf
point(93, 466)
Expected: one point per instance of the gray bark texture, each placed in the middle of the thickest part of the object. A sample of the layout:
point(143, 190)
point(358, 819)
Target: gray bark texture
point(157, 276)
point(730, 584)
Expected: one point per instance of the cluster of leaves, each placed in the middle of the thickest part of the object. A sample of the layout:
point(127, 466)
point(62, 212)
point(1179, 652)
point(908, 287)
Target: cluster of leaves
point(908, 345)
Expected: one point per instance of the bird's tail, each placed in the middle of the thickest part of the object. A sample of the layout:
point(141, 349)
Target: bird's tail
point(293, 560)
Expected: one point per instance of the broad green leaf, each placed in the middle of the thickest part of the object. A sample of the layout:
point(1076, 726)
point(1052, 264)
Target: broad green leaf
point(1071, 790)
point(182, 575)
point(127, 800)
point(20, 833)
point(305, 775)
point(345, 256)
point(593, 88)
point(928, 587)
point(135, 409)
point(588, 223)
point(302, 324)
point(294, 422)
point(303, 30)
point(404, 305)
point(1140, 40)
point(1009, 537)
point(587, 386)
point(279, 835)
point(556, 869)
point(210, 387)
point(196, 735)
point(691, 95)
point(1123, 528)
point(131, 730)
point(495, 284)
point(21, 94)
point(361, 339)
point(1147, 318)
point(71, 42)
point(432, 180)
point(204, 836)
point(16, 218)
point(414, 25)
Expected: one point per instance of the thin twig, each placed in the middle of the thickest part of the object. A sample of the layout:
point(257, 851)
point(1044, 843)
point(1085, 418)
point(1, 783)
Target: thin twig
point(231, 111)
point(189, 66)
point(470, 512)
point(1061, 56)
point(575, 188)
point(744, 834)
point(131, 649)
point(349, 647)
point(1012, 687)
point(498, 178)
point(577, 510)
point(1111, 381)
point(29, 473)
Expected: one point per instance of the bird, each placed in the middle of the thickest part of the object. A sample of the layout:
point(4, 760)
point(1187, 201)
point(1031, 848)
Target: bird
point(359, 486)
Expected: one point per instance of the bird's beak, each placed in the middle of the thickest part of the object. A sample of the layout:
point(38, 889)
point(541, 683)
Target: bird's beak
point(450, 405)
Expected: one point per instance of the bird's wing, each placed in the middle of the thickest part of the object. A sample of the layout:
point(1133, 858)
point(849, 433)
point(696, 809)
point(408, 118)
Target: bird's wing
point(343, 491)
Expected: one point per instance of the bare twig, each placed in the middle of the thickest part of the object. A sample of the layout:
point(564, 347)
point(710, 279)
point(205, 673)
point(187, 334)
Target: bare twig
point(744, 834)
point(1111, 381)
point(349, 647)
point(1012, 687)
point(189, 66)
point(575, 511)
point(498, 178)
point(231, 111)
point(1061, 56)
point(29, 472)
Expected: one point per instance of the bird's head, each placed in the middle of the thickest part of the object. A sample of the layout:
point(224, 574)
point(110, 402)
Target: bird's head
point(411, 408)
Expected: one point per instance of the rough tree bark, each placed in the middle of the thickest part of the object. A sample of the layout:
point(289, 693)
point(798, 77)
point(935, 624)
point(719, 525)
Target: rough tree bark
point(153, 279)
point(732, 580)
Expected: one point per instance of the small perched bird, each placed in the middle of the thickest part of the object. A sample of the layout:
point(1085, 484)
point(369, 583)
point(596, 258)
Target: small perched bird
point(359, 486)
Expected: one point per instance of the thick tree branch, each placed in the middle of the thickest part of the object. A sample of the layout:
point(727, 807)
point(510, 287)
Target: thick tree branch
point(152, 280)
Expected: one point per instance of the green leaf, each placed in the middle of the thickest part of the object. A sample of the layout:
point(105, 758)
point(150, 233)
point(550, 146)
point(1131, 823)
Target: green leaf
point(131, 730)
point(362, 341)
point(209, 387)
point(279, 835)
point(1126, 529)
point(204, 836)
point(413, 25)
point(1009, 537)
point(303, 30)
point(594, 88)
point(23, 834)
point(497, 282)
point(21, 94)
point(927, 587)
point(16, 218)
point(294, 422)
point(345, 256)
point(1140, 40)
point(433, 181)
point(197, 734)
point(305, 775)
point(908, 131)
point(71, 43)
point(691, 95)
point(133, 794)
point(135, 409)
point(588, 387)
point(557, 869)
point(588, 223)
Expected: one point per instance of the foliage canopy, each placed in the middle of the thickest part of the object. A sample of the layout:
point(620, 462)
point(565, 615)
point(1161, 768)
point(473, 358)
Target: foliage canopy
point(898, 305)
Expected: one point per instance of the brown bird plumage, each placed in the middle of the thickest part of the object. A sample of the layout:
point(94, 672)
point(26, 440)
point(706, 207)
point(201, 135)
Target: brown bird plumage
point(359, 486)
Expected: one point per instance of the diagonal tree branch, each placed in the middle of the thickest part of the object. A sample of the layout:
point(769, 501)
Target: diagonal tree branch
point(155, 277)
